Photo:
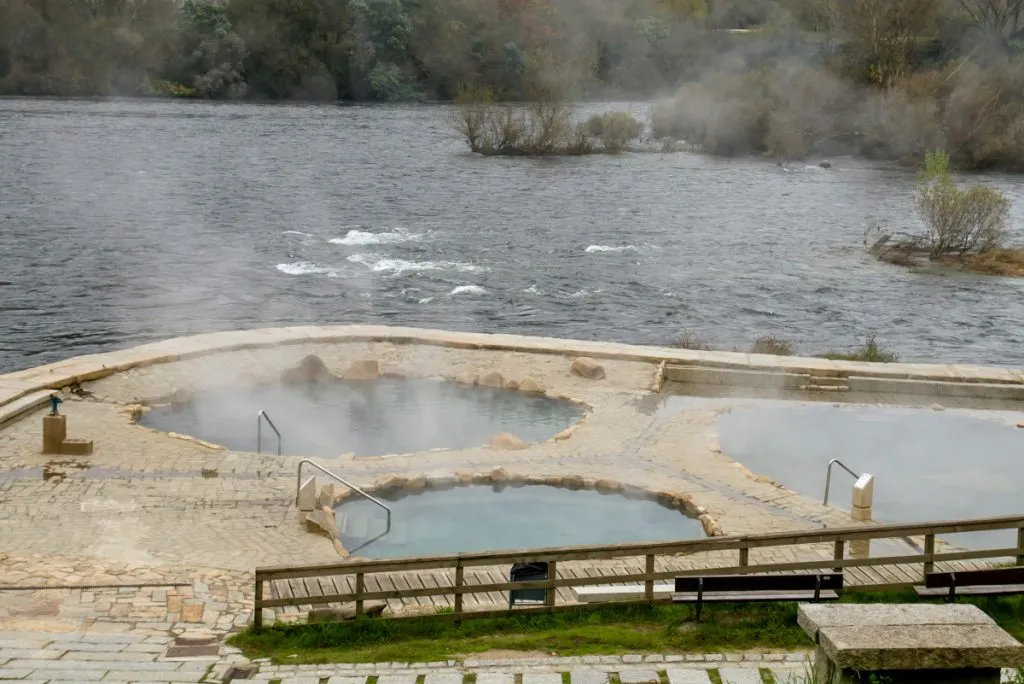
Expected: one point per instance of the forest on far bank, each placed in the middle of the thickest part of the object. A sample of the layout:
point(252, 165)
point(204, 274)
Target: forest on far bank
point(739, 76)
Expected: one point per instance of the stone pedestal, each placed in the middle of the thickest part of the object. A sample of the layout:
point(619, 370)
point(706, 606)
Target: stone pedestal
point(76, 447)
point(908, 644)
point(55, 431)
point(306, 499)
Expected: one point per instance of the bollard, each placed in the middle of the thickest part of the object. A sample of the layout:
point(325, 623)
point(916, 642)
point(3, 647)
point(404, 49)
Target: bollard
point(862, 498)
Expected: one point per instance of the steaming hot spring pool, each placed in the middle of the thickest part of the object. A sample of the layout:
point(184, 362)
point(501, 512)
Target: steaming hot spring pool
point(928, 464)
point(485, 518)
point(367, 418)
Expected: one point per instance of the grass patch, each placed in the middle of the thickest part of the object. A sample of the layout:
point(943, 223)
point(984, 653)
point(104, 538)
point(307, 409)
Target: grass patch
point(998, 262)
point(606, 630)
point(871, 351)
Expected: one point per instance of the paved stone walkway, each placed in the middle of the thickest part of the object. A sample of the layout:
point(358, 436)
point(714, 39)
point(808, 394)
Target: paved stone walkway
point(149, 507)
point(99, 657)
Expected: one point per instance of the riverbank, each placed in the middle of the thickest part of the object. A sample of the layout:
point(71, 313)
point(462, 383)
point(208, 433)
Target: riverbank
point(1004, 262)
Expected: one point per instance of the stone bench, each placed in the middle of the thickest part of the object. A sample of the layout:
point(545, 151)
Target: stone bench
point(907, 643)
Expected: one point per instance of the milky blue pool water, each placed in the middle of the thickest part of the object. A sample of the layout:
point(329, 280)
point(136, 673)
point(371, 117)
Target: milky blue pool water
point(482, 518)
point(367, 418)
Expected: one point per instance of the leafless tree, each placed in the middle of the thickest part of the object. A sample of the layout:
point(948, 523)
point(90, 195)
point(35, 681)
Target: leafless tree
point(1000, 20)
point(882, 33)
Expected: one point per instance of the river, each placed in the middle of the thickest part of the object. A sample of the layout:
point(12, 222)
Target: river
point(127, 221)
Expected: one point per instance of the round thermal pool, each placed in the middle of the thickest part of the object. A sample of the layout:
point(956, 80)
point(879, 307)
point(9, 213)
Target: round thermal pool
point(367, 418)
point(483, 518)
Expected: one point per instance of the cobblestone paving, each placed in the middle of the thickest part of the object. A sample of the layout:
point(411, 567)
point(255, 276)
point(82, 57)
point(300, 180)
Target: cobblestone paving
point(151, 508)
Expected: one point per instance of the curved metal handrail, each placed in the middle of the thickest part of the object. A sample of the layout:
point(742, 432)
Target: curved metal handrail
point(828, 475)
point(354, 488)
point(260, 417)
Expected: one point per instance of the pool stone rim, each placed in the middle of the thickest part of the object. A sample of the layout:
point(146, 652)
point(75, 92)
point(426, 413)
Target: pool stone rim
point(134, 411)
point(396, 485)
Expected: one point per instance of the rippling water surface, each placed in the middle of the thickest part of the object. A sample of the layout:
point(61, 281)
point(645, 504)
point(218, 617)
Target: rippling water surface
point(126, 221)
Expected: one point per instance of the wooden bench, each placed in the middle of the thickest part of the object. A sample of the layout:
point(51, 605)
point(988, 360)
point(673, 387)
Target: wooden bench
point(748, 588)
point(994, 582)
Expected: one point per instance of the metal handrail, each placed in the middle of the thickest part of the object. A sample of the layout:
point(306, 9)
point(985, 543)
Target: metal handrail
point(260, 417)
point(354, 488)
point(828, 475)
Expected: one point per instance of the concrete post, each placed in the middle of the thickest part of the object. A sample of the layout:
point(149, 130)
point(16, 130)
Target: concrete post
point(307, 495)
point(55, 431)
point(863, 498)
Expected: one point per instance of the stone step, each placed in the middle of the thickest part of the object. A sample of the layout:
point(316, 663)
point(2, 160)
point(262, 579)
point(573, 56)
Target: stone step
point(825, 388)
point(13, 410)
point(826, 381)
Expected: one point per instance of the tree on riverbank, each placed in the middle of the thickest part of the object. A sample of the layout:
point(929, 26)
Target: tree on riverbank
point(965, 226)
point(887, 79)
point(543, 127)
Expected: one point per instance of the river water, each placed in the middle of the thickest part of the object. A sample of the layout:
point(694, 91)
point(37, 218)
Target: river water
point(127, 221)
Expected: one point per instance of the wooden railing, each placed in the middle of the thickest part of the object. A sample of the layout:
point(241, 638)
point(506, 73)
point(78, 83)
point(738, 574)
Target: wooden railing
point(838, 537)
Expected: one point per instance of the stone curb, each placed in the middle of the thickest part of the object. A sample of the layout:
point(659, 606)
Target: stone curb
point(16, 385)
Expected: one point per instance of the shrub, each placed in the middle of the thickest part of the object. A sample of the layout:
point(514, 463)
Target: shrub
point(769, 344)
point(540, 128)
point(689, 340)
point(593, 126)
point(959, 221)
point(617, 129)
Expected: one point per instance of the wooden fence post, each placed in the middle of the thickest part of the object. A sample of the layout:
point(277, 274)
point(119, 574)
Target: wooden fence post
point(744, 556)
point(360, 588)
point(929, 550)
point(838, 553)
point(459, 577)
point(552, 592)
point(649, 584)
point(1020, 546)
point(257, 610)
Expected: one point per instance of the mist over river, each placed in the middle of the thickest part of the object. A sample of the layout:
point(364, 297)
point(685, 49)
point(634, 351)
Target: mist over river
point(123, 222)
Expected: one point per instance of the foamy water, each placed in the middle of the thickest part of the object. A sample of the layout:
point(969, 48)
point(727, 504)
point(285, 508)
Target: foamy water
point(363, 237)
point(468, 290)
point(300, 268)
point(598, 249)
point(378, 263)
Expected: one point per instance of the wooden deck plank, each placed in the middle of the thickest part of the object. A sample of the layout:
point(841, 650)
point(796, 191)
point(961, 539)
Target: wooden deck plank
point(439, 579)
point(490, 576)
point(402, 584)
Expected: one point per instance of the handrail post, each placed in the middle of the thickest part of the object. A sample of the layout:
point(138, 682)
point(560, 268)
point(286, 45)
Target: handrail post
point(261, 416)
point(325, 471)
point(459, 582)
point(744, 556)
point(929, 552)
point(838, 553)
point(1020, 546)
point(257, 609)
point(360, 588)
point(828, 476)
point(552, 592)
point(649, 584)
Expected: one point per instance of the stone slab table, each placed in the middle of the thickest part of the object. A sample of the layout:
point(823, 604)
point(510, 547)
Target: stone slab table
point(907, 643)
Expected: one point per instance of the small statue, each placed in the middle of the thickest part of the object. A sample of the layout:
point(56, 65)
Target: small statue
point(54, 400)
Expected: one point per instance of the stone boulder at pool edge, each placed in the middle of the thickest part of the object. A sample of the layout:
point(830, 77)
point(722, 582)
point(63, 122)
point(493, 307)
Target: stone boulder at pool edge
point(586, 367)
point(505, 441)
